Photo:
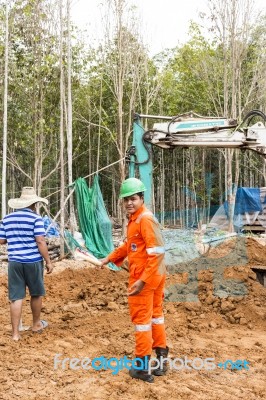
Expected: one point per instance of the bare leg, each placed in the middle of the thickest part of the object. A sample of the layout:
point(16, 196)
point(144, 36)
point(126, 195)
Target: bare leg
point(36, 306)
point(15, 312)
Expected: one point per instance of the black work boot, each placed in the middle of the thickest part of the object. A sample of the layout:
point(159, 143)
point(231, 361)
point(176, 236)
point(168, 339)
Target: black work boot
point(142, 374)
point(162, 368)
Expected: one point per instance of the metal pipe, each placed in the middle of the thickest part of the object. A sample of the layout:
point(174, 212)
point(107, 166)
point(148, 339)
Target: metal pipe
point(202, 144)
point(214, 239)
point(154, 116)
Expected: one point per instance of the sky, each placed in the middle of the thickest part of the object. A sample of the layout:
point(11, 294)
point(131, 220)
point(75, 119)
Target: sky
point(164, 23)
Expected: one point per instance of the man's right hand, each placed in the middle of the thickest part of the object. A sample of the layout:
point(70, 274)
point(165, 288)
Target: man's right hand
point(49, 268)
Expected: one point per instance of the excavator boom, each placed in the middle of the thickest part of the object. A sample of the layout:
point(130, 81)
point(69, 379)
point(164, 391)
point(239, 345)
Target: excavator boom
point(191, 130)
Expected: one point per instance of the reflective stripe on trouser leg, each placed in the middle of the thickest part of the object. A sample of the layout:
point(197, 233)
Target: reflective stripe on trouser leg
point(158, 327)
point(158, 321)
point(143, 328)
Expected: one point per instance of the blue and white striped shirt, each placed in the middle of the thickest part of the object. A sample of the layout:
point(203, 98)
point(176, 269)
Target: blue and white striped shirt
point(19, 229)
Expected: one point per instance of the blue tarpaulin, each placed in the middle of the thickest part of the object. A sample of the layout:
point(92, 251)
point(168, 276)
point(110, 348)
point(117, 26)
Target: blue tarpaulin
point(53, 230)
point(247, 200)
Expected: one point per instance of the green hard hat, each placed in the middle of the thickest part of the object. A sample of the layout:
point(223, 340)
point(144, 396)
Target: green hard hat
point(131, 186)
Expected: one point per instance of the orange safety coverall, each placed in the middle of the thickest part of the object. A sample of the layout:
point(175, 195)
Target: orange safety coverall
point(145, 252)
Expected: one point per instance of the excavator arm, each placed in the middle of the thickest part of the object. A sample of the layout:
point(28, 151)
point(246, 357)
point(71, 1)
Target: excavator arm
point(192, 130)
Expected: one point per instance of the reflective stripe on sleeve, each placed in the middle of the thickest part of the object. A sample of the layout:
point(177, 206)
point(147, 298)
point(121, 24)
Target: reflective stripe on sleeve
point(157, 321)
point(142, 215)
point(155, 250)
point(143, 328)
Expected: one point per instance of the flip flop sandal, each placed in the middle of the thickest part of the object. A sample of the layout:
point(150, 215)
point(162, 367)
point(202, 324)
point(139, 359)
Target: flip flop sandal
point(44, 325)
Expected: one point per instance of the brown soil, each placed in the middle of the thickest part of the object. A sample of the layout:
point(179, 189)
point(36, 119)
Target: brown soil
point(88, 317)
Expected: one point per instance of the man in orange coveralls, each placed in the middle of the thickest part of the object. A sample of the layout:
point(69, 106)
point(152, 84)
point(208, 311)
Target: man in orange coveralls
point(145, 252)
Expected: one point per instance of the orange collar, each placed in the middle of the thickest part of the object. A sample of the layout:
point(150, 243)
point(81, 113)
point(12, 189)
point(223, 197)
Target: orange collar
point(137, 213)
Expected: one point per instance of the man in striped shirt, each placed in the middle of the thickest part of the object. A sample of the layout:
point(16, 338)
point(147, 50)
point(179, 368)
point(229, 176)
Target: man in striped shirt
point(23, 231)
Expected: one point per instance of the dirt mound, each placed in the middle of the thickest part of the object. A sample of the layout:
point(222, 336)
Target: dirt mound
point(213, 311)
point(256, 251)
point(88, 316)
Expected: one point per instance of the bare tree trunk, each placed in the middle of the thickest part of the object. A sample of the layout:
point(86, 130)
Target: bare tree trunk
point(195, 205)
point(182, 197)
point(264, 171)
point(162, 189)
point(208, 193)
point(220, 179)
point(62, 170)
point(114, 197)
point(187, 196)
point(203, 178)
point(233, 58)
point(5, 118)
point(178, 191)
point(99, 128)
point(90, 143)
point(173, 190)
point(237, 171)
point(230, 194)
point(72, 219)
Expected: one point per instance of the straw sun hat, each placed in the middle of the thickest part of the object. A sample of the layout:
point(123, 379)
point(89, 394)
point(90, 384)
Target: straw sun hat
point(27, 198)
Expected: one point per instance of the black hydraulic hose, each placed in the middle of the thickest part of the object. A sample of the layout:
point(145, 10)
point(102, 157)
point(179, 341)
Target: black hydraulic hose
point(251, 114)
point(174, 120)
point(146, 147)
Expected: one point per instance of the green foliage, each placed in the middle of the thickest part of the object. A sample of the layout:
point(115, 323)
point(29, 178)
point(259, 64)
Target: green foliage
point(187, 77)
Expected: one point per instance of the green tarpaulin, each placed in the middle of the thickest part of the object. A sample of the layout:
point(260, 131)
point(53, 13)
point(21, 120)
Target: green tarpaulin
point(94, 222)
